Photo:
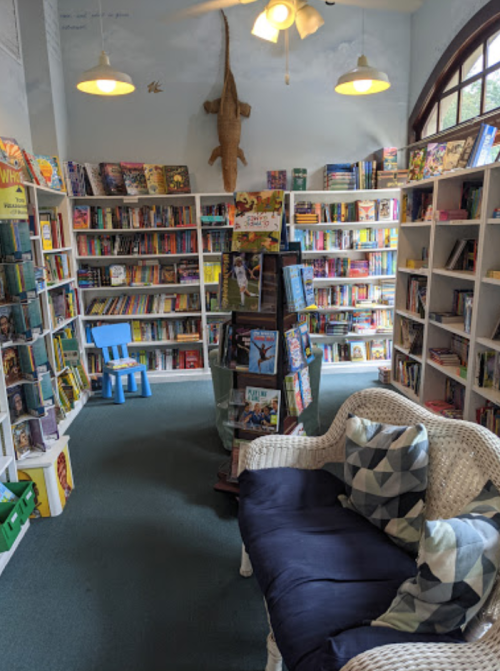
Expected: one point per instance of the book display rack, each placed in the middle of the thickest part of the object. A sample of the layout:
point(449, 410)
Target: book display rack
point(447, 334)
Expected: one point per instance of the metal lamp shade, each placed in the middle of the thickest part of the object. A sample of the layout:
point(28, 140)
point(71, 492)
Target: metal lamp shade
point(103, 80)
point(362, 80)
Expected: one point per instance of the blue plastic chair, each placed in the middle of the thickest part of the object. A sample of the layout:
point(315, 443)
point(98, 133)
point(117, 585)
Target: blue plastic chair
point(113, 337)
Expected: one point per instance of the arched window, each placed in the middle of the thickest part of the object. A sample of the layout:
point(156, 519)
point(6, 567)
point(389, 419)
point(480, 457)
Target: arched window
point(465, 85)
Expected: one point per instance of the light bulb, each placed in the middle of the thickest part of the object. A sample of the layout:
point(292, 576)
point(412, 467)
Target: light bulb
point(263, 29)
point(362, 85)
point(106, 85)
point(279, 13)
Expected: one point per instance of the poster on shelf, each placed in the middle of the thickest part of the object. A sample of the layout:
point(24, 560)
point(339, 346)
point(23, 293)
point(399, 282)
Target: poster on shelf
point(13, 203)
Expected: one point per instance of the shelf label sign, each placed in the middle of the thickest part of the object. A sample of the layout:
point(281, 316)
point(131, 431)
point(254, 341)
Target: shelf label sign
point(12, 193)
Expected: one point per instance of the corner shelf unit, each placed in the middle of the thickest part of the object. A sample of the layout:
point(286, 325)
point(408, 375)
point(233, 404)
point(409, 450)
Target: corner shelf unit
point(327, 198)
point(439, 238)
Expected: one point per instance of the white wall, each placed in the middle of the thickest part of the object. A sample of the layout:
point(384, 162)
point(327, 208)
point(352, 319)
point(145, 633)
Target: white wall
point(433, 27)
point(303, 125)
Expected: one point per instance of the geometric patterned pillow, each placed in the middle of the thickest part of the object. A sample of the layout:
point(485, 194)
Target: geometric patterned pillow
point(385, 471)
point(457, 565)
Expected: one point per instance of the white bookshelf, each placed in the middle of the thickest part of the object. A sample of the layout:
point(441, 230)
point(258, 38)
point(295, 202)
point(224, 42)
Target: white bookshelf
point(330, 197)
point(438, 238)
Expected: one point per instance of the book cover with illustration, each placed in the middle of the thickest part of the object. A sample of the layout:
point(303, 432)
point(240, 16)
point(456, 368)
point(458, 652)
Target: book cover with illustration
point(366, 210)
point(16, 401)
point(258, 221)
point(417, 164)
point(134, 178)
point(358, 351)
point(377, 349)
point(33, 168)
point(44, 432)
point(81, 217)
point(112, 179)
point(294, 350)
point(241, 282)
point(240, 355)
point(261, 411)
point(6, 323)
point(51, 171)
point(21, 437)
point(177, 179)
point(15, 157)
point(299, 179)
point(466, 151)
point(434, 159)
point(305, 387)
point(94, 177)
point(294, 288)
point(276, 179)
point(263, 352)
point(308, 284)
point(452, 154)
point(11, 365)
point(306, 342)
point(155, 179)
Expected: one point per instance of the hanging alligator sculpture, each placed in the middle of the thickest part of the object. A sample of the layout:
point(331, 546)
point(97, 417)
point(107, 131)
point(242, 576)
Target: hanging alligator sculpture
point(229, 111)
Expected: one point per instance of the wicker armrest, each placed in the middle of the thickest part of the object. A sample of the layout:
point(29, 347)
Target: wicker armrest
point(483, 655)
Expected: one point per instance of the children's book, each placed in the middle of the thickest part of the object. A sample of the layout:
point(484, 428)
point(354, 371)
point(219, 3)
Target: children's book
point(263, 352)
point(297, 394)
point(466, 151)
point(93, 171)
point(452, 154)
point(46, 231)
point(434, 159)
point(44, 431)
point(276, 179)
point(135, 179)
point(81, 217)
point(377, 349)
point(358, 351)
point(308, 285)
point(177, 179)
point(417, 164)
point(261, 411)
point(241, 348)
point(241, 282)
point(112, 178)
point(15, 243)
point(299, 179)
point(294, 349)
point(33, 168)
point(6, 496)
point(366, 210)
point(6, 324)
point(11, 365)
point(258, 221)
point(15, 157)
point(51, 171)
point(305, 387)
point(21, 436)
point(16, 401)
point(155, 179)
point(294, 288)
point(306, 342)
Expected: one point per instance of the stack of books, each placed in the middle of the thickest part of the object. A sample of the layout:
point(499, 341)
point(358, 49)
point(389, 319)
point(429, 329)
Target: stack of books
point(444, 356)
point(339, 177)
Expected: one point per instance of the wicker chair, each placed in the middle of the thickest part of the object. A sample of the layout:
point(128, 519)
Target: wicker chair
point(463, 456)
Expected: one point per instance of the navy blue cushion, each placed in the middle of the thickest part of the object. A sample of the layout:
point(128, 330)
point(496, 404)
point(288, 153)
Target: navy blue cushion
point(322, 568)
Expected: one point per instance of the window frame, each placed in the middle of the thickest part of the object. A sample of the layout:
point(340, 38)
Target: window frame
point(476, 33)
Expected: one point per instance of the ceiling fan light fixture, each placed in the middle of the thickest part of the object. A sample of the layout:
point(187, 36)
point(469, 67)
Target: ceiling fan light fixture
point(362, 80)
point(281, 13)
point(263, 29)
point(308, 20)
point(104, 80)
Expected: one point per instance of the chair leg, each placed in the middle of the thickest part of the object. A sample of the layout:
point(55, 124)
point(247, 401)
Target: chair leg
point(274, 659)
point(132, 384)
point(107, 389)
point(119, 395)
point(146, 389)
point(246, 569)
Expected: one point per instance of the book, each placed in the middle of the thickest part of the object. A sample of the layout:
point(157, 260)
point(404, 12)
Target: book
point(15, 157)
point(44, 431)
point(299, 179)
point(452, 154)
point(455, 254)
point(118, 364)
point(81, 217)
point(258, 221)
point(16, 402)
point(466, 151)
point(241, 348)
point(294, 288)
point(276, 179)
point(11, 365)
point(134, 178)
point(417, 164)
point(21, 437)
point(241, 282)
point(94, 177)
point(117, 275)
point(51, 171)
point(305, 387)
point(46, 232)
point(295, 350)
point(306, 342)
point(155, 179)
point(263, 352)
point(177, 179)
point(6, 324)
point(112, 179)
point(33, 168)
point(366, 210)
point(308, 285)
point(358, 351)
point(6, 496)
point(481, 150)
point(494, 336)
point(434, 159)
point(261, 411)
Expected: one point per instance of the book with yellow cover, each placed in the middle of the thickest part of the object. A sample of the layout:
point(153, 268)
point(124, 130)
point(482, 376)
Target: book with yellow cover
point(155, 178)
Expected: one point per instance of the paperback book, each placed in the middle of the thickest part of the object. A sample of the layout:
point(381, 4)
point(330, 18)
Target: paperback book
point(452, 155)
point(81, 217)
point(51, 171)
point(261, 411)
point(294, 288)
point(434, 159)
point(93, 171)
point(112, 179)
point(155, 179)
point(306, 342)
point(294, 348)
point(417, 164)
point(134, 178)
point(263, 352)
point(241, 282)
point(241, 348)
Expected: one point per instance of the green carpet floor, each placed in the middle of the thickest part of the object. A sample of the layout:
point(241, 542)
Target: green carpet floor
point(140, 573)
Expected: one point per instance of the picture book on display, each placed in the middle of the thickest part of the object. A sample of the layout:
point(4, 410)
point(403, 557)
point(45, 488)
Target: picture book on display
point(33, 168)
point(112, 179)
point(434, 159)
point(261, 411)
point(452, 155)
point(51, 171)
point(241, 282)
point(21, 437)
point(177, 179)
point(481, 151)
point(6, 324)
point(93, 171)
point(299, 179)
point(263, 352)
point(258, 221)
point(305, 386)
point(81, 217)
point(306, 342)
point(11, 365)
point(358, 351)
point(293, 394)
point(308, 285)
point(241, 348)
point(294, 288)
point(276, 179)
point(295, 351)
point(155, 179)
point(15, 157)
point(135, 179)
point(466, 151)
point(417, 164)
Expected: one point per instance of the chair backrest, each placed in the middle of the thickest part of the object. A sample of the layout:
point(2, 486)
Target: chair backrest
point(112, 339)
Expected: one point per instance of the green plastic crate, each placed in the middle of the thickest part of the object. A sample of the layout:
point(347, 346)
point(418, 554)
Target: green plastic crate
point(26, 495)
point(10, 525)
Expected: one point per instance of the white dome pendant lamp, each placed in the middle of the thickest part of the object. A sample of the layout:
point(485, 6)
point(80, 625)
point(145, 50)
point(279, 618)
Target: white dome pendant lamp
point(104, 80)
point(364, 79)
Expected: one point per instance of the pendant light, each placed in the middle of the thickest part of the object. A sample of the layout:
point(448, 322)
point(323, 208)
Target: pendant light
point(308, 20)
point(364, 79)
point(263, 29)
point(281, 13)
point(104, 80)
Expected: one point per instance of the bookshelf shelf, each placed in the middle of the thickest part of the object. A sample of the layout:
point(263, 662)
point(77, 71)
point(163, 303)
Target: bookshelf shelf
point(349, 224)
point(154, 343)
point(166, 315)
point(64, 324)
point(159, 288)
point(410, 315)
point(357, 280)
point(58, 250)
point(62, 283)
point(446, 289)
point(136, 257)
point(416, 224)
point(352, 308)
point(352, 334)
point(406, 351)
point(414, 271)
point(345, 252)
point(128, 231)
point(406, 391)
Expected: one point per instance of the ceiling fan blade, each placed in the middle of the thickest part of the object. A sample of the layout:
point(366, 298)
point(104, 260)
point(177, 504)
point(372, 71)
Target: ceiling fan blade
point(393, 5)
point(203, 8)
